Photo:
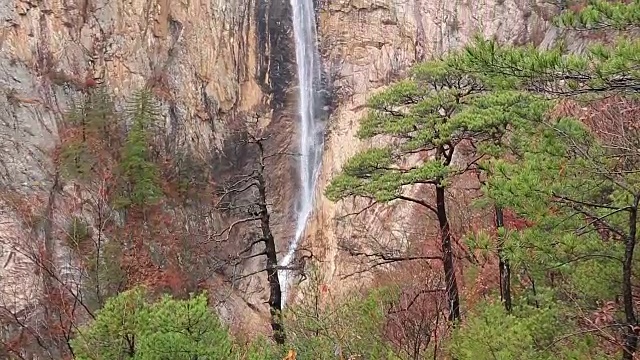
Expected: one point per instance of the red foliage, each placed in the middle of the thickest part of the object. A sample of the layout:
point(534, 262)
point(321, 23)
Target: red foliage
point(26, 207)
point(577, 6)
point(152, 242)
point(611, 119)
point(514, 222)
point(50, 335)
point(414, 320)
point(90, 82)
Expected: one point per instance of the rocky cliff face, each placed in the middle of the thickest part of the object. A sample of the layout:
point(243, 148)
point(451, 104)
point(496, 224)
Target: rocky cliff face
point(210, 63)
point(213, 64)
point(365, 45)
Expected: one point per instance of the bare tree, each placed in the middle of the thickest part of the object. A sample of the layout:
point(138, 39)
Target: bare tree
point(256, 213)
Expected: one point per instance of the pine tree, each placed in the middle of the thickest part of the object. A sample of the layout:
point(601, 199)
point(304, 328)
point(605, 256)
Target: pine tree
point(529, 332)
point(141, 174)
point(129, 327)
point(561, 195)
point(436, 109)
point(583, 200)
point(583, 178)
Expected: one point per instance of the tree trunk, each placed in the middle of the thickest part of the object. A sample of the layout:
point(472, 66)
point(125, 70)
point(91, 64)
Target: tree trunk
point(275, 291)
point(46, 257)
point(505, 268)
point(447, 253)
point(631, 336)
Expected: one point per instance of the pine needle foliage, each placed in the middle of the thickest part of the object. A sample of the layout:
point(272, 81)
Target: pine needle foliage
point(576, 184)
point(91, 124)
point(439, 107)
point(603, 15)
point(433, 111)
point(130, 327)
point(136, 166)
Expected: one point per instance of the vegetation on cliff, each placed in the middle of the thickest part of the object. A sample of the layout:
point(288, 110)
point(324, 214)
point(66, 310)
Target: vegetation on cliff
point(128, 326)
point(552, 139)
point(545, 269)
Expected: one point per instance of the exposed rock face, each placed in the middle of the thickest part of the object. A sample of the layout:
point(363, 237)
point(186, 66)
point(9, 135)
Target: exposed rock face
point(365, 45)
point(214, 62)
point(208, 61)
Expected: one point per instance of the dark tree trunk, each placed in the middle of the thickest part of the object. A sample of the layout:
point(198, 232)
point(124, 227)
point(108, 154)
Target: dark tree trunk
point(275, 291)
point(131, 344)
point(447, 253)
point(46, 259)
point(631, 336)
point(505, 268)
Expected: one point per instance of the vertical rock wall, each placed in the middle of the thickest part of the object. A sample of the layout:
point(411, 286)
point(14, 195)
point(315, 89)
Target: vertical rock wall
point(366, 44)
point(212, 64)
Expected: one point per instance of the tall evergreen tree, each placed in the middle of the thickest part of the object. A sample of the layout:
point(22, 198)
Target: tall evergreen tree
point(570, 252)
point(586, 175)
point(439, 107)
point(141, 174)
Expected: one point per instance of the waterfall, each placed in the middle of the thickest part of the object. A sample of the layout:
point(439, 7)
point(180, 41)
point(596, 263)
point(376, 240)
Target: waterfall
point(311, 128)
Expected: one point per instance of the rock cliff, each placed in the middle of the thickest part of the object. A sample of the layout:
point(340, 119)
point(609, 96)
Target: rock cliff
point(366, 44)
point(213, 64)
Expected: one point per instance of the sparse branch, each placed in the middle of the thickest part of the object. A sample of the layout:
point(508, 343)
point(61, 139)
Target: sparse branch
point(251, 245)
point(587, 203)
point(229, 228)
point(378, 259)
point(601, 218)
point(419, 202)
point(359, 212)
point(391, 259)
point(581, 210)
point(415, 298)
point(276, 268)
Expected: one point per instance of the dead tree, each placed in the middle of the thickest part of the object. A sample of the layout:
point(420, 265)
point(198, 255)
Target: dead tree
point(256, 212)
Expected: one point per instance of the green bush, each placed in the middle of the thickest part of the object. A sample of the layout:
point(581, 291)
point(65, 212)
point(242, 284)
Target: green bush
point(129, 327)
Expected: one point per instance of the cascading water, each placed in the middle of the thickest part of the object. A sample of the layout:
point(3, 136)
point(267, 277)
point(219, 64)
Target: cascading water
point(311, 127)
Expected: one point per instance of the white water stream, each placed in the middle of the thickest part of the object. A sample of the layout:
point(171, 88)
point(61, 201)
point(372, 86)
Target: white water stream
point(311, 127)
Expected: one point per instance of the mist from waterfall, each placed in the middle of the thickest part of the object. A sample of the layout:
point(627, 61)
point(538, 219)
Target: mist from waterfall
point(310, 125)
